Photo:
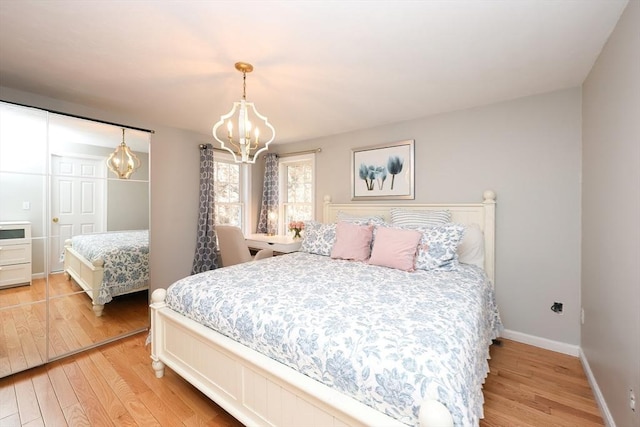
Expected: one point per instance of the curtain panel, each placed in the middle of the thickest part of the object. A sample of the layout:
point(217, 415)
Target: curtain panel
point(206, 258)
point(269, 196)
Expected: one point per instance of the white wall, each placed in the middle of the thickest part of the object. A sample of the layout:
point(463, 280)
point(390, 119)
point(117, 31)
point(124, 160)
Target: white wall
point(528, 151)
point(611, 218)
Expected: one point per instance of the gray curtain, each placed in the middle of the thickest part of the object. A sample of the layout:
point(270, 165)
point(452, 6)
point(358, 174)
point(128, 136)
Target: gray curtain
point(206, 258)
point(269, 195)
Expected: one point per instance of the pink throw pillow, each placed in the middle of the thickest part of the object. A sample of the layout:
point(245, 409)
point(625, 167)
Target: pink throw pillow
point(352, 241)
point(395, 248)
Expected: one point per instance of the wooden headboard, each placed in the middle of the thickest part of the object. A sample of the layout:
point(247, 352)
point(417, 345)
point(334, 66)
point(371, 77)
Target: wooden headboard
point(483, 214)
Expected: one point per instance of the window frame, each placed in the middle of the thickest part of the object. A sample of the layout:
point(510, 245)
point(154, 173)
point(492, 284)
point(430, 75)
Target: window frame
point(244, 176)
point(283, 186)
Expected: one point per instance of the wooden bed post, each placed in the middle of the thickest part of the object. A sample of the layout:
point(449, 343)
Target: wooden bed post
point(489, 230)
point(157, 302)
point(325, 208)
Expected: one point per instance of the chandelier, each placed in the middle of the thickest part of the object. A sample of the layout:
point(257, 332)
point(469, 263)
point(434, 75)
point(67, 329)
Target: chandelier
point(123, 162)
point(241, 137)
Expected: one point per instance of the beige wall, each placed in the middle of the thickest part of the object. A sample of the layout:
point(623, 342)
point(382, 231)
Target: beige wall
point(528, 151)
point(610, 337)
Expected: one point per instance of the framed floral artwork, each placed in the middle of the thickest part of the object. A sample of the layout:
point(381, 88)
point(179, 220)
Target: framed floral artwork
point(383, 172)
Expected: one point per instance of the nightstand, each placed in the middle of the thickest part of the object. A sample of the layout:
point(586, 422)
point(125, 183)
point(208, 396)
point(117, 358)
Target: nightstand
point(15, 253)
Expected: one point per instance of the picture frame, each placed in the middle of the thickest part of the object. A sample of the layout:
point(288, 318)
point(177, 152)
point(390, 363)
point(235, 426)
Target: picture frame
point(383, 172)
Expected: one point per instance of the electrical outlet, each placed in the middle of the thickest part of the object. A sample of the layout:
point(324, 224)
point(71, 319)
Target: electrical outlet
point(557, 307)
point(632, 400)
point(582, 316)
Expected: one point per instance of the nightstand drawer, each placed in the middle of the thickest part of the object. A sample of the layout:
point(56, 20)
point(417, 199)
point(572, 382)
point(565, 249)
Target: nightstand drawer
point(15, 254)
point(15, 274)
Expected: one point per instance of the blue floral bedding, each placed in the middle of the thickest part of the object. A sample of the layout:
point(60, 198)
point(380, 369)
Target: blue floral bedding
point(126, 260)
point(385, 337)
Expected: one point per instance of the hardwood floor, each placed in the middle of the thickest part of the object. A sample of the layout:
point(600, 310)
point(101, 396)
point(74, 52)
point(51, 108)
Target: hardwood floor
point(70, 319)
point(115, 385)
point(530, 386)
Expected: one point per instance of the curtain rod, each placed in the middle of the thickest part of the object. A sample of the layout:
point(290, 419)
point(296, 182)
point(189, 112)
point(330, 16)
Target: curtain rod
point(120, 125)
point(298, 153)
point(205, 146)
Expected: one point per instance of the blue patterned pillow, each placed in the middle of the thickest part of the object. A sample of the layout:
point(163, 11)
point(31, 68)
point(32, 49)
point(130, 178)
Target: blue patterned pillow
point(438, 247)
point(318, 238)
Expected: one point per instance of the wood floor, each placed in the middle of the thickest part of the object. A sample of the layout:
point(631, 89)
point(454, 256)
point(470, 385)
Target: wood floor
point(70, 320)
point(115, 385)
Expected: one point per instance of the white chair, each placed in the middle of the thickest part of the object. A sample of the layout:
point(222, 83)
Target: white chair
point(233, 247)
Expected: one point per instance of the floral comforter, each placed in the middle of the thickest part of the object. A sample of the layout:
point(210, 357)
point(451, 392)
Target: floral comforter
point(385, 337)
point(126, 260)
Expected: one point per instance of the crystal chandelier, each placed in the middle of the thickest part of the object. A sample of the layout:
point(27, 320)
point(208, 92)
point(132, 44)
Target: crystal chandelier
point(240, 137)
point(123, 162)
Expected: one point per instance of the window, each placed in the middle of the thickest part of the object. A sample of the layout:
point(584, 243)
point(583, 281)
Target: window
point(297, 189)
point(230, 191)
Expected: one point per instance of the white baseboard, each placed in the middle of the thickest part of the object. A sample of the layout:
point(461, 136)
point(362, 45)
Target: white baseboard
point(560, 347)
point(604, 409)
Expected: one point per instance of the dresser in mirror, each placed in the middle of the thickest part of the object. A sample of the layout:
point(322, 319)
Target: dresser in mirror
point(54, 178)
point(23, 202)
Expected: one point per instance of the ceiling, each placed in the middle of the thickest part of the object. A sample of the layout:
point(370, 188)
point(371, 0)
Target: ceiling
point(321, 67)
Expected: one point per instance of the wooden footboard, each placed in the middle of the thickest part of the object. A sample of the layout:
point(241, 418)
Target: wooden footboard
point(256, 389)
point(87, 274)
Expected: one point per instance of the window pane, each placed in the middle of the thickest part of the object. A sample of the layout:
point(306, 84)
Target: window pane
point(234, 192)
point(299, 183)
point(297, 212)
point(296, 191)
point(228, 193)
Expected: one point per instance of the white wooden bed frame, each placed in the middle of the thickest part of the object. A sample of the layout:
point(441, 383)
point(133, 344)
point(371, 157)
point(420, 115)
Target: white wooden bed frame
point(88, 275)
point(258, 390)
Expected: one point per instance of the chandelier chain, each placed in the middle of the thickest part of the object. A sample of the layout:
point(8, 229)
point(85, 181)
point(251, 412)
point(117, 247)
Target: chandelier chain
point(244, 85)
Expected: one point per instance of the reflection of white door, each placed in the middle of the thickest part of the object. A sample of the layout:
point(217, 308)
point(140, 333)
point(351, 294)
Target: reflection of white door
point(77, 201)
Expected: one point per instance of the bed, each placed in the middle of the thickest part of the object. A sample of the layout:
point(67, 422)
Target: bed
point(294, 383)
point(109, 264)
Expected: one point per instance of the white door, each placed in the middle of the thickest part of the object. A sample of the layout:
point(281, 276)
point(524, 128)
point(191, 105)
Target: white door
point(77, 201)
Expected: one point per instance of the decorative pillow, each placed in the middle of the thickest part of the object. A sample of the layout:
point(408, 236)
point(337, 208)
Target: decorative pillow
point(471, 248)
point(318, 238)
point(438, 246)
point(410, 218)
point(395, 248)
point(352, 241)
point(362, 220)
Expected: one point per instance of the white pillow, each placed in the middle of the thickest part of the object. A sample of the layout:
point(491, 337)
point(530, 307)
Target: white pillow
point(471, 248)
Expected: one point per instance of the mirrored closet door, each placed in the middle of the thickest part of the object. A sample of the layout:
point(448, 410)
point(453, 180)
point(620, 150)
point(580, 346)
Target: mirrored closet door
point(54, 187)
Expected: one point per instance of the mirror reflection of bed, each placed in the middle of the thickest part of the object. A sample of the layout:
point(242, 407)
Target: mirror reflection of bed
point(44, 180)
point(107, 265)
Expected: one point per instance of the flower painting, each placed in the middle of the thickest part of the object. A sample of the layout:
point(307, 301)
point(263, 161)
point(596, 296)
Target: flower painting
point(383, 171)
